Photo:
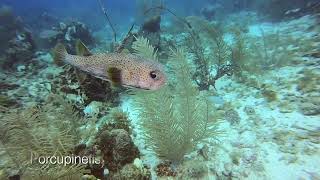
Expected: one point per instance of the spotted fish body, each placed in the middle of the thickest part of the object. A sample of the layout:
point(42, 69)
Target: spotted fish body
point(119, 68)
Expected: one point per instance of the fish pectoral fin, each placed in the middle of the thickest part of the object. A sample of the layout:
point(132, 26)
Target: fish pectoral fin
point(114, 75)
point(81, 49)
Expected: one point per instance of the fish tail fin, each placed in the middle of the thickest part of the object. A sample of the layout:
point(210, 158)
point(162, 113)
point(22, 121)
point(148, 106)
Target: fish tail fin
point(59, 54)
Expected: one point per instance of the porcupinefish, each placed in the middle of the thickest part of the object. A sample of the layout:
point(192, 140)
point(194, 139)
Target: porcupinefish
point(118, 68)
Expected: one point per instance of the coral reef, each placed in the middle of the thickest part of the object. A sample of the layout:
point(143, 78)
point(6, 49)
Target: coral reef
point(9, 25)
point(114, 145)
point(195, 169)
point(117, 119)
point(165, 169)
point(132, 171)
point(20, 50)
point(67, 33)
point(256, 82)
point(117, 148)
point(17, 45)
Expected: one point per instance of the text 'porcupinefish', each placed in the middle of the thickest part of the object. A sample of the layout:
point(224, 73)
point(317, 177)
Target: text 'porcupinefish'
point(118, 68)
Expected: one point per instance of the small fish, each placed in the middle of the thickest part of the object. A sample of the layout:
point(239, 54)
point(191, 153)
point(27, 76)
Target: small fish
point(118, 68)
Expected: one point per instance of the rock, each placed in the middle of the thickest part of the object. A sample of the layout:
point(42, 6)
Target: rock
point(49, 34)
point(232, 116)
point(152, 25)
point(117, 148)
point(6, 86)
point(269, 94)
point(66, 33)
point(310, 105)
point(247, 139)
point(309, 109)
point(62, 25)
point(285, 107)
point(21, 68)
point(6, 101)
point(92, 109)
point(193, 169)
point(20, 50)
point(130, 171)
point(88, 177)
point(9, 26)
point(209, 12)
point(165, 168)
point(216, 100)
point(71, 30)
point(138, 163)
point(249, 110)
point(16, 43)
point(228, 168)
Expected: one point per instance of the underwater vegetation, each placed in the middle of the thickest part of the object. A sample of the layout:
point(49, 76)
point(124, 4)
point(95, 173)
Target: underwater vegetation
point(241, 98)
point(41, 131)
point(174, 120)
point(57, 129)
point(215, 56)
point(212, 36)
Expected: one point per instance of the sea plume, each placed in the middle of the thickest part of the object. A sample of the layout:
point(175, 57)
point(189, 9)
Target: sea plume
point(176, 119)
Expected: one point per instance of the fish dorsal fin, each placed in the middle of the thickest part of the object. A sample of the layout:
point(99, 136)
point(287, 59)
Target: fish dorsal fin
point(81, 49)
point(114, 75)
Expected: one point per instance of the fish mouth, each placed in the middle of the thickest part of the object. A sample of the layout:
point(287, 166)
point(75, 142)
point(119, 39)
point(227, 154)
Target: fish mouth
point(137, 87)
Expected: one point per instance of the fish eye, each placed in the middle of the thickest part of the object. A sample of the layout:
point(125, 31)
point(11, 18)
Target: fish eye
point(153, 74)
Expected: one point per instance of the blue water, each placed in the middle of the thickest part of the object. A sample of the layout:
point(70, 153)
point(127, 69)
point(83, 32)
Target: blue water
point(88, 11)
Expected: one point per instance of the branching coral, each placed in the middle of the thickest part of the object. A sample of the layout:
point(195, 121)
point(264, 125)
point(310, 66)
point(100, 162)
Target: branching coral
point(175, 120)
